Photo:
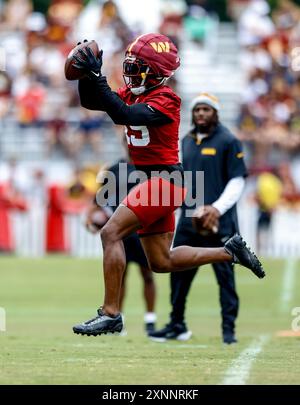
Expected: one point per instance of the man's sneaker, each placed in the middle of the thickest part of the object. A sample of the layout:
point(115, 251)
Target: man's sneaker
point(149, 327)
point(102, 323)
point(177, 331)
point(241, 254)
point(124, 330)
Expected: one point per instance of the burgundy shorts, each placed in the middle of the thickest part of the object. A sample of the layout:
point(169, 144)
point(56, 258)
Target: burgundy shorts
point(154, 202)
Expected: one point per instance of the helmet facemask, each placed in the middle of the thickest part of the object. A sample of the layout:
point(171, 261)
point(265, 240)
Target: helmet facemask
point(139, 76)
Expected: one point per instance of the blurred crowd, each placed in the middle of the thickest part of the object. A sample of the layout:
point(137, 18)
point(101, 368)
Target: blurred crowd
point(268, 121)
point(35, 94)
point(270, 109)
point(33, 90)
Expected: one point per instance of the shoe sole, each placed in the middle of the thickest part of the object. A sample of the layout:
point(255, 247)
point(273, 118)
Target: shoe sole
point(158, 340)
point(97, 333)
point(183, 337)
point(230, 343)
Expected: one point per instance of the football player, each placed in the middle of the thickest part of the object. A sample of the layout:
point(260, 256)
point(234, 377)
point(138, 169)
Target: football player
point(150, 111)
point(97, 216)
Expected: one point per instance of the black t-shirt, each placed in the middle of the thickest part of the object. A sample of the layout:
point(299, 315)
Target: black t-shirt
point(220, 157)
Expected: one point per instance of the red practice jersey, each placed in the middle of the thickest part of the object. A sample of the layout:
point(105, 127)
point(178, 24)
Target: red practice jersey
point(154, 145)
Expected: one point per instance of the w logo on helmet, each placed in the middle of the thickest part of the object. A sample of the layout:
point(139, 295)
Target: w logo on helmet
point(160, 46)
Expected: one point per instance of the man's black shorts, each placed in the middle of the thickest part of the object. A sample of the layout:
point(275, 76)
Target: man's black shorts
point(134, 250)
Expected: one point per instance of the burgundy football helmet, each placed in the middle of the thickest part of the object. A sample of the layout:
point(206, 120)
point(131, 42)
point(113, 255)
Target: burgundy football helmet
point(149, 61)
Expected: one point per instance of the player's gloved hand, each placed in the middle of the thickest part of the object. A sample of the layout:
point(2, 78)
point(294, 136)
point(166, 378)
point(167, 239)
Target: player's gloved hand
point(89, 62)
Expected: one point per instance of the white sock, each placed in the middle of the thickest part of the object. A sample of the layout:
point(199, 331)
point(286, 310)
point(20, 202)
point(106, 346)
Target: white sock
point(150, 317)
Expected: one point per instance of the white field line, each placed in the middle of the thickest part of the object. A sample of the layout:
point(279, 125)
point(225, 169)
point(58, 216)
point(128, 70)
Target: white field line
point(184, 346)
point(239, 371)
point(288, 282)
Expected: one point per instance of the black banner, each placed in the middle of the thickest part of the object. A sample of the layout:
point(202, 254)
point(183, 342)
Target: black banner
point(132, 394)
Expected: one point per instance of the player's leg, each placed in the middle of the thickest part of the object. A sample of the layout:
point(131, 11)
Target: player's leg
point(122, 298)
point(122, 223)
point(149, 288)
point(164, 260)
point(157, 238)
point(149, 293)
point(135, 254)
point(123, 289)
point(158, 223)
point(108, 319)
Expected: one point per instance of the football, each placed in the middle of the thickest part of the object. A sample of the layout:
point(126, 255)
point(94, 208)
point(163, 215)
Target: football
point(71, 72)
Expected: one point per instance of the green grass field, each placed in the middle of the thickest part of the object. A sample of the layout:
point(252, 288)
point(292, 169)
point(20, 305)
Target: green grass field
point(44, 298)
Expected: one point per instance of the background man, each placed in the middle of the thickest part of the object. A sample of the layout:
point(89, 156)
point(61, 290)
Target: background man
point(209, 147)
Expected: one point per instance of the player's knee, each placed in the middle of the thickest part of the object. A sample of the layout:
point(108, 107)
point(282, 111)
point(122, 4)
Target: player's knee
point(104, 235)
point(160, 267)
point(107, 235)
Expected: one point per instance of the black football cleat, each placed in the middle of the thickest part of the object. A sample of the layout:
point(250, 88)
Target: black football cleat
point(149, 327)
point(101, 324)
point(171, 331)
point(241, 254)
